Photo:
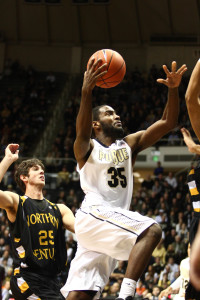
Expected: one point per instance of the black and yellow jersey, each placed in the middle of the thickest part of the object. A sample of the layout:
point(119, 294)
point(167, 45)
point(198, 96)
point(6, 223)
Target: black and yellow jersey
point(193, 181)
point(38, 237)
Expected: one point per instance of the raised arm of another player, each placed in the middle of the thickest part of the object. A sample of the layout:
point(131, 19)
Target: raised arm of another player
point(143, 139)
point(82, 143)
point(8, 200)
point(67, 217)
point(192, 99)
point(192, 146)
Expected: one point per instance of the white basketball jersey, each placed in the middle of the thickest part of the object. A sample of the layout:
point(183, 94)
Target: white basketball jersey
point(184, 272)
point(107, 176)
point(182, 281)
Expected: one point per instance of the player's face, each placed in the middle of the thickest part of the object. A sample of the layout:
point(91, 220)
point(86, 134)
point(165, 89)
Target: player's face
point(36, 176)
point(110, 122)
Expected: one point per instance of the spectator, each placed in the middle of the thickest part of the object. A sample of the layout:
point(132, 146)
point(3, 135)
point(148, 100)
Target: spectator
point(173, 138)
point(2, 277)
point(140, 288)
point(75, 178)
point(179, 248)
point(148, 183)
point(6, 290)
point(158, 266)
point(118, 273)
point(173, 266)
point(160, 251)
point(166, 277)
point(63, 177)
point(155, 293)
point(114, 290)
point(171, 180)
point(159, 169)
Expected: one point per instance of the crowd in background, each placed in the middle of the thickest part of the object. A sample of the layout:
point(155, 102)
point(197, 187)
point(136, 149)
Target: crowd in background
point(27, 99)
point(139, 100)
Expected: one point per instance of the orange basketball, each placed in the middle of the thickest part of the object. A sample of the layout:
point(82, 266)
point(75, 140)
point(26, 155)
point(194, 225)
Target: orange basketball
point(116, 67)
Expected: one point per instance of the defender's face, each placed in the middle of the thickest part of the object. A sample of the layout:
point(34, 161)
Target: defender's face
point(36, 176)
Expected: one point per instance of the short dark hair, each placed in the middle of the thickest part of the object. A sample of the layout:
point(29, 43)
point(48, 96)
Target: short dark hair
point(95, 112)
point(23, 169)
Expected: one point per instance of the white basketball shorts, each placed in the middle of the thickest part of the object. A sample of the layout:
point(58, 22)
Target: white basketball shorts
point(104, 234)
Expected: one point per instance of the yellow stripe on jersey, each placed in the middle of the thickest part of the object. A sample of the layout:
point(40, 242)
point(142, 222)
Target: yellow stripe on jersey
point(16, 271)
point(22, 255)
point(191, 172)
point(193, 188)
point(53, 204)
point(21, 251)
point(23, 199)
point(194, 192)
point(17, 240)
point(197, 209)
point(24, 287)
point(22, 284)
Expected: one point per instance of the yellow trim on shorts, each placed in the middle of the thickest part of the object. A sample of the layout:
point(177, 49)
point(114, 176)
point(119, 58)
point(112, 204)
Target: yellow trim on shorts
point(197, 209)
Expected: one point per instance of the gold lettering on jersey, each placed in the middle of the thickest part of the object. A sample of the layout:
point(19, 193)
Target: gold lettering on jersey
point(115, 156)
point(42, 218)
point(45, 253)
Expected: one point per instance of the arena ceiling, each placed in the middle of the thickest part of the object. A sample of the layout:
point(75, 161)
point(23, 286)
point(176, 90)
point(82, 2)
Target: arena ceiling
point(136, 22)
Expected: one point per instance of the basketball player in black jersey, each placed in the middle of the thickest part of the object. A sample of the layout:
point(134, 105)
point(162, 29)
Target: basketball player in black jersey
point(36, 228)
point(193, 107)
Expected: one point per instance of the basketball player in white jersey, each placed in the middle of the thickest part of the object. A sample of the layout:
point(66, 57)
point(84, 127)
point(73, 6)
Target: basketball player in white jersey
point(178, 287)
point(105, 228)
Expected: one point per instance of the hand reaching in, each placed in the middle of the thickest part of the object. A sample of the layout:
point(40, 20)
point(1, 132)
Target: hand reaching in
point(174, 77)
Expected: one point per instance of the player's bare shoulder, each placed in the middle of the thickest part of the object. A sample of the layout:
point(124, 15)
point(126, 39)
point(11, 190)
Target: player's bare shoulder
point(133, 140)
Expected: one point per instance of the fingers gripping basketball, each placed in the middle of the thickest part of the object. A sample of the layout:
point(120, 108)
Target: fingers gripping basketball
point(116, 67)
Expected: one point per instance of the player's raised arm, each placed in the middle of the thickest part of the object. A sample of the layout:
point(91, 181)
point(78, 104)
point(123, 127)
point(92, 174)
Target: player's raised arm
point(192, 99)
point(143, 139)
point(84, 118)
point(8, 200)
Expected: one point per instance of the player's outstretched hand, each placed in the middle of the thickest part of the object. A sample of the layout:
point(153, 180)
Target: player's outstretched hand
point(12, 152)
point(174, 77)
point(192, 146)
point(164, 293)
point(94, 72)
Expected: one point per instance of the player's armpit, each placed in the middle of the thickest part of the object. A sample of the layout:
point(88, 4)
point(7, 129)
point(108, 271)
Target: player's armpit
point(8, 200)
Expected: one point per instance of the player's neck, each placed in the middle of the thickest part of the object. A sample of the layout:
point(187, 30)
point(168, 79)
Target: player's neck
point(34, 192)
point(105, 140)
